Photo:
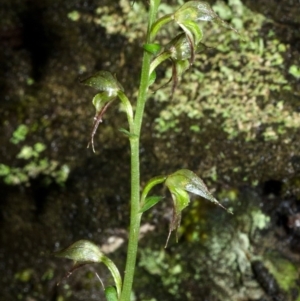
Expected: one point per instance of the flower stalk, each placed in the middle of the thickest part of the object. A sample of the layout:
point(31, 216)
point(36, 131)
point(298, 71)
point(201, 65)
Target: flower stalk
point(135, 215)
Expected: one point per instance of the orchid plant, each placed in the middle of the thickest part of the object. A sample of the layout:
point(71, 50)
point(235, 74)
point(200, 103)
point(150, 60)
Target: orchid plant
point(181, 51)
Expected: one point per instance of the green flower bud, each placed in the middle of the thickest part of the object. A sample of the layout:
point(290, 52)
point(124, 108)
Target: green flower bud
point(195, 11)
point(110, 88)
point(104, 81)
point(188, 17)
point(180, 183)
point(189, 181)
point(84, 251)
point(179, 48)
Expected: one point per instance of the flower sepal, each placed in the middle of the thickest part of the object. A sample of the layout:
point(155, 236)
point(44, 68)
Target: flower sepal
point(109, 89)
point(85, 252)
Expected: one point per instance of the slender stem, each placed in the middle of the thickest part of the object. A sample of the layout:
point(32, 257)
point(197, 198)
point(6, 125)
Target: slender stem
point(114, 272)
point(135, 215)
point(145, 71)
point(159, 23)
point(159, 59)
point(128, 108)
point(151, 183)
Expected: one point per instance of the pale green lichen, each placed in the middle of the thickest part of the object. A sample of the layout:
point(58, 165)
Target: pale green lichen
point(19, 134)
point(115, 23)
point(260, 221)
point(24, 275)
point(295, 71)
point(158, 263)
point(36, 165)
point(284, 271)
point(43, 167)
point(243, 90)
point(74, 15)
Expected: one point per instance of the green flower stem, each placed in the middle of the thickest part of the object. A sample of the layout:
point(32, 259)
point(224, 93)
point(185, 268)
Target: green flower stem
point(128, 108)
point(151, 183)
point(159, 24)
point(135, 215)
point(159, 59)
point(115, 273)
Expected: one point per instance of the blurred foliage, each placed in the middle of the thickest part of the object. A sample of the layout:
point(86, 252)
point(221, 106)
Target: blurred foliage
point(36, 164)
point(295, 71)
point(19, 134)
